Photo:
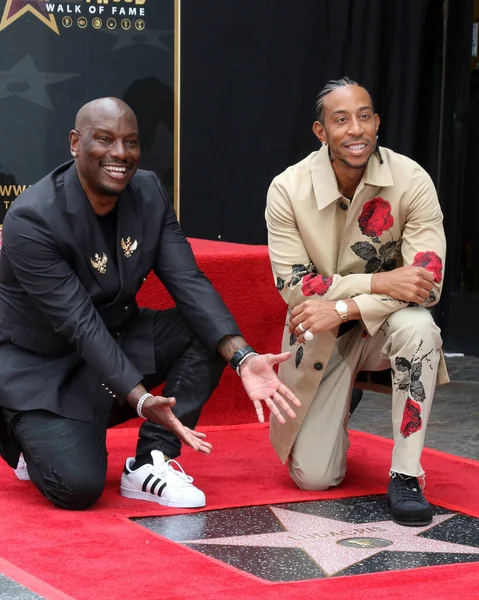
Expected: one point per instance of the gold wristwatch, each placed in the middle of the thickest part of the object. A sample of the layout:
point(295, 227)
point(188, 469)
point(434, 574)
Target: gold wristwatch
point(342, 309)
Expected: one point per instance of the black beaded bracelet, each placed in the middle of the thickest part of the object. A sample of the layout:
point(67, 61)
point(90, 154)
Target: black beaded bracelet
point(239, 355)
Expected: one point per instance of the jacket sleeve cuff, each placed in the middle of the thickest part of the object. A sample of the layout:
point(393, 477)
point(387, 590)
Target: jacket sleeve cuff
point(359, 284)
point(371, 317)
point(124, 383)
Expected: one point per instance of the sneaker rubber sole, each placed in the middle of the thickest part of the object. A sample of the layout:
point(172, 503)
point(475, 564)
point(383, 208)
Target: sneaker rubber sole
point(138, 495)
point(409, 519)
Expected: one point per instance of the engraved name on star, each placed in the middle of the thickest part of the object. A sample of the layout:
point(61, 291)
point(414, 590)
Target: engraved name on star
point(319, 536)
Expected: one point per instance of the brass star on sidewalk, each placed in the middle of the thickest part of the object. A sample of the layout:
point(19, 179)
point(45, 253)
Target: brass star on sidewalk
point(14, 9)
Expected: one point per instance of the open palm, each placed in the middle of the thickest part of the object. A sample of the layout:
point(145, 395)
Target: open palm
point(263, 385)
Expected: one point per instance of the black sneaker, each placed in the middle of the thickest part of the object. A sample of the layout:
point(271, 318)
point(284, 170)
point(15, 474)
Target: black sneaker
point(407, 503)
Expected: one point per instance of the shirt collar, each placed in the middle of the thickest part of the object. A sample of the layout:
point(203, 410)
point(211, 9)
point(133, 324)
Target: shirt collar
point(325, 184)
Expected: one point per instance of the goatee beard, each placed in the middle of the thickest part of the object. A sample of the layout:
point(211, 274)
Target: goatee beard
point(345, 162)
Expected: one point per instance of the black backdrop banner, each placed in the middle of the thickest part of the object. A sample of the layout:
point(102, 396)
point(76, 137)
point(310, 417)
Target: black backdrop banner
point(56, 55)
point(250, 72)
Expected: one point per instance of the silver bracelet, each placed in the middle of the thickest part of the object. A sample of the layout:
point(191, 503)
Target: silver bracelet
point(141, 401)
point(245, 357)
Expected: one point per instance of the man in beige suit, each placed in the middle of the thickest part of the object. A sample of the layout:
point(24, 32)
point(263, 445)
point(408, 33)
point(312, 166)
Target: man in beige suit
point(357, 248)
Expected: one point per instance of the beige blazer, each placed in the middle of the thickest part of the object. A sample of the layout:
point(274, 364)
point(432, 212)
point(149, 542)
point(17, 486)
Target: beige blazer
point(323, 245)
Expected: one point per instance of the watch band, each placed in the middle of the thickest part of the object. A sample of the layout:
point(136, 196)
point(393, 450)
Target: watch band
point(239, 355)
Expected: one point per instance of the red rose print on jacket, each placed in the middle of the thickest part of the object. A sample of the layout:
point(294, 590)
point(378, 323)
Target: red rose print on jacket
point(431, 262)
point(316, 284)
point(411, 420)
point(375, 218)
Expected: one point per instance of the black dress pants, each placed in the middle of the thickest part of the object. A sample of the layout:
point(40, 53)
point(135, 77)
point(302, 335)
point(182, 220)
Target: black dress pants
point(67, 458)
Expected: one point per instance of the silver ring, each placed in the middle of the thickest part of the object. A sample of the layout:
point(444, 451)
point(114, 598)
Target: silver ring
point(301, 328)
point(308, 336)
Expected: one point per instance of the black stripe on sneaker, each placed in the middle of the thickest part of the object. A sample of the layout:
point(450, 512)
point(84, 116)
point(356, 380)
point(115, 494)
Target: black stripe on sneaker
point(152, 489)
point(161, 489)
point(146, 482)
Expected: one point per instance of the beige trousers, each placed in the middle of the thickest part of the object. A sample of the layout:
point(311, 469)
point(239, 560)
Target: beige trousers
point(409, 342)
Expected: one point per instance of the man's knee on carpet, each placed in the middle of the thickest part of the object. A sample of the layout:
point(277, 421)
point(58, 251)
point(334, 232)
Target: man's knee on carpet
point(74, 485)
point(72, 491)
point(314, 479)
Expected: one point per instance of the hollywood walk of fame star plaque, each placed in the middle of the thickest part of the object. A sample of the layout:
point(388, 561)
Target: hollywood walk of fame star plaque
point(313, 540)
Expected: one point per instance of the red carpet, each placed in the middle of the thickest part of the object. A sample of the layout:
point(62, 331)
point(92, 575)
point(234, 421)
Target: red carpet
point(100, 554)
point(242, 275)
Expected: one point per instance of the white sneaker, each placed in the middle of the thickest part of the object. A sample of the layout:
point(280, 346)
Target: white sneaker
point(160, 483)
point(21, 471)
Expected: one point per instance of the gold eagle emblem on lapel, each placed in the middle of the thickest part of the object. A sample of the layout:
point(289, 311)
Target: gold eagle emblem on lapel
point(128, 246)
point(99, 263)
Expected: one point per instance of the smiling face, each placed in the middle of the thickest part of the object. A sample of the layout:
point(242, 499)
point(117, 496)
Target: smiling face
point(106, 143)
point(349, 126)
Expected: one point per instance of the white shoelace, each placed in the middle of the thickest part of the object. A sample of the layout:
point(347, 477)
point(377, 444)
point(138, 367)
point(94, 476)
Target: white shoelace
point(178, 474)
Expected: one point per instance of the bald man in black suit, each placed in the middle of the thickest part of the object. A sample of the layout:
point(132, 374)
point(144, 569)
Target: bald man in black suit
point(77, 353)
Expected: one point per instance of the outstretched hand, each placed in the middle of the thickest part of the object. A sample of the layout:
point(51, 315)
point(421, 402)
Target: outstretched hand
point(158, 410)
point(263, 385)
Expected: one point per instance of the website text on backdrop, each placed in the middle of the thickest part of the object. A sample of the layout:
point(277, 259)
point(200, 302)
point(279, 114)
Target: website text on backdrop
point(357, 248)
point(77, 353)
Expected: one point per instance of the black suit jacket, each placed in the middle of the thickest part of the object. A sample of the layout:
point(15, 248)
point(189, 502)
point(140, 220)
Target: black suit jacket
point(66, 327)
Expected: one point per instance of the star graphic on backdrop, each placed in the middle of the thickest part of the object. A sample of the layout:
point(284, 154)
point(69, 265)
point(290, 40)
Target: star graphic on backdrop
point(26, 81)
point(14, 9)
point(145, 38)
point(319, 537)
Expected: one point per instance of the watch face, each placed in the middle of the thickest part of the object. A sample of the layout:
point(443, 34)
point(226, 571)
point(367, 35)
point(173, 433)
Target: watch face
point(342, 309)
